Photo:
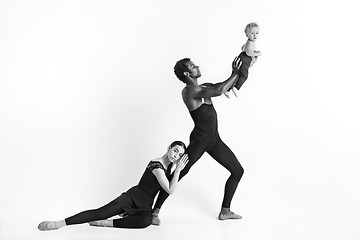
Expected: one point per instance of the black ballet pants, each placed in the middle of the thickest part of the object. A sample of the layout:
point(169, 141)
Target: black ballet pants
point(141, 220)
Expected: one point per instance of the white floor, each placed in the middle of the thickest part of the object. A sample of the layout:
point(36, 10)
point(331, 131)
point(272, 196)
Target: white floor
point(196, 227)
point(182, 219)
point(287, 205)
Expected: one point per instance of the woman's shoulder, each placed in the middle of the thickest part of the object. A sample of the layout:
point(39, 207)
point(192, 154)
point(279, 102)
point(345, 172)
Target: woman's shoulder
point(154, 164)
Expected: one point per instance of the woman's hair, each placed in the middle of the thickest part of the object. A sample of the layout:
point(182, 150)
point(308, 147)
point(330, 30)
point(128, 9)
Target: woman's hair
point(178, 143)
point(251, 25)
point(181, 67)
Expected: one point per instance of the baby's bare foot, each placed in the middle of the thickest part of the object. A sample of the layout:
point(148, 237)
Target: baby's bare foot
point(227, 94)
point(234, 92)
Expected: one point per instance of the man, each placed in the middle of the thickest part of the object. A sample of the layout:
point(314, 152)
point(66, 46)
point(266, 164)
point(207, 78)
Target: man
point(205, 136)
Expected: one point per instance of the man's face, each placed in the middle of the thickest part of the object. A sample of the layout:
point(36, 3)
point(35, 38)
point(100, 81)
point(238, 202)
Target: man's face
point(194, 71)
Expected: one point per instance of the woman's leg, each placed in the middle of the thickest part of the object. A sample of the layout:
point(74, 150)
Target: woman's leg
point(111, 209)
point(140, 220)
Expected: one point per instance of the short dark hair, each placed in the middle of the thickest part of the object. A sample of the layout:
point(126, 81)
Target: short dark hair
point(181, 67)
point(178, 143)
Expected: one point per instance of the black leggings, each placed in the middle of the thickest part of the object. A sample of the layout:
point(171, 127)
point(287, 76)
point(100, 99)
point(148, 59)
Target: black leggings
point(244, 70)
point(223, 155)
point(115, 207)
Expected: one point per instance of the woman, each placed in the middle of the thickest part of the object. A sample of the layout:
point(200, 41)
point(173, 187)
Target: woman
point(135, 204)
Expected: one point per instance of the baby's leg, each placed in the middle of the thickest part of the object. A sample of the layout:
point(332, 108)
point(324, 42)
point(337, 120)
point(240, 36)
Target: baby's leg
point(244, 70)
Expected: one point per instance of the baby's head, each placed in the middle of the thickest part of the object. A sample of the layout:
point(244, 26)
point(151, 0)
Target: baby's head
point(252, 30)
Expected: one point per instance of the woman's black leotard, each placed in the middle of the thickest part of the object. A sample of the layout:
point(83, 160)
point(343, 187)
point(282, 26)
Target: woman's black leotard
point(136, 202)
point(205, 138)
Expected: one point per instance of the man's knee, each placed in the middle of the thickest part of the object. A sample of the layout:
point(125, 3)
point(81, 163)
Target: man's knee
point(238, 172)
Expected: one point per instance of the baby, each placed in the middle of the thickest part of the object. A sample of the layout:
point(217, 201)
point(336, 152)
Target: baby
point(248, 55)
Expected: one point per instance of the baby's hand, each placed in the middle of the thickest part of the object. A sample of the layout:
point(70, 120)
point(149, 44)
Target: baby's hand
point(258, 53)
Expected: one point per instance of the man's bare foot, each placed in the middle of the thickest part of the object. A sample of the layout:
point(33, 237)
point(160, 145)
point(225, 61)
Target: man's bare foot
point(225, 214)
point(50, 225)
point(102, 223)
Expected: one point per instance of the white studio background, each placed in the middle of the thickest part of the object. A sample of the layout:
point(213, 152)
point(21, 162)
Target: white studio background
point(88, 97)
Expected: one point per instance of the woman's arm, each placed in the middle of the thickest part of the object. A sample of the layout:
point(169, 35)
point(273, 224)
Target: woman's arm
point(170, 186)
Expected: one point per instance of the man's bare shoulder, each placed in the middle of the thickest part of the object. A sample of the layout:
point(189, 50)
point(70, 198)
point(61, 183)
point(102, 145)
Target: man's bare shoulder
point(207, 85)
point(189, 89)
point(190, 93)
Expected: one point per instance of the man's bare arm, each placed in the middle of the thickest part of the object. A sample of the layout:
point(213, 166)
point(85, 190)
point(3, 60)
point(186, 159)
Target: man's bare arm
point(208, 90)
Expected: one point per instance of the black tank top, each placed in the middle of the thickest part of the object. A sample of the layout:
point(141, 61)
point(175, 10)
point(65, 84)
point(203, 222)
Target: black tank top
point(205, 120)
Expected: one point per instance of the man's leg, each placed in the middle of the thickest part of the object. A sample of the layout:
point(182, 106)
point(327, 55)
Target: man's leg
point(195, 150)
point(223, 155)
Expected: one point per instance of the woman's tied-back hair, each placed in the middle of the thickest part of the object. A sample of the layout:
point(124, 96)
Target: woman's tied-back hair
point(251, 25)
point(181, 67)
point(178, 143)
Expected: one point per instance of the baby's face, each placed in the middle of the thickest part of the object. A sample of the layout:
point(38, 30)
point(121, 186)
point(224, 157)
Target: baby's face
point(253, 33)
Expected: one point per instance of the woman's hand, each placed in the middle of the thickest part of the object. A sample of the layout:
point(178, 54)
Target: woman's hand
point(182, 162)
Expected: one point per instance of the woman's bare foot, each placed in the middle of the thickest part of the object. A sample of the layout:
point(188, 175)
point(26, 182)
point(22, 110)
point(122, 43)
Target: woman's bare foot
point(155, 220)
point(51, 225)
point(225, 214)
point(102, 223)
point(155, 217)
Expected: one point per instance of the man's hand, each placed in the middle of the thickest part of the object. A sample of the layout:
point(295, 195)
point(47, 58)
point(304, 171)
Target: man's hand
point(236, 65)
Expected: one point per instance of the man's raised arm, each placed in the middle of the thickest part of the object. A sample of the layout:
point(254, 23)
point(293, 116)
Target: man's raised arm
point(207, 90)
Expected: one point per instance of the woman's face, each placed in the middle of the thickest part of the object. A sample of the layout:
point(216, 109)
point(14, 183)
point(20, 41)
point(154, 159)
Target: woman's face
point(175, 153)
